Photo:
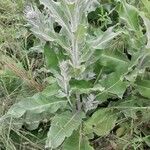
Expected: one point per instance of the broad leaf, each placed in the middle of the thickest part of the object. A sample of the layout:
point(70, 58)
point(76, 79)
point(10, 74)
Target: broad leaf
point(113, 84)
point(82, 86)
point(62, 126)
point(77, 141)
point(102, 40)
point(147, 25)
point(31, 120)
point(57, 12)
point(143, 86)
point(101, 122)
point(36, 105)
point(51, 90)
point(129, 14)
point(111, 60)
point(131, 105)
point(51, 57)
point(146, 5)
point(37, 20)
point(69, 14)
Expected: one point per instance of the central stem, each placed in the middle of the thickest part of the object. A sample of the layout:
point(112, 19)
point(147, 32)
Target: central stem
point(75, 54)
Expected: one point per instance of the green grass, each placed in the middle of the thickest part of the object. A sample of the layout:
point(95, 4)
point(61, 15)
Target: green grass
point(14, 84)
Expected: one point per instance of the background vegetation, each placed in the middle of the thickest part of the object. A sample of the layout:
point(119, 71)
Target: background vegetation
point(117, 112)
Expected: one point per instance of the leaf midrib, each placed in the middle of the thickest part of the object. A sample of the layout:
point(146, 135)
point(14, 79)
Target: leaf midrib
point(55, 137)
point(38, 107)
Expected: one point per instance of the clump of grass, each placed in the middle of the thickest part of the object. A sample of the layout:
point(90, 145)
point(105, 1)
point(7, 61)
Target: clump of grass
point(10, 24)
point(15, 80)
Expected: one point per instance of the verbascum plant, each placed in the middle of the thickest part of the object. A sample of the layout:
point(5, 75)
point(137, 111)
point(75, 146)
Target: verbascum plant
point(86, 71)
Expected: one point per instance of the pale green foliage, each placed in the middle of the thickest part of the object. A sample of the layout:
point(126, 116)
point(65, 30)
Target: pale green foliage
point(62, 126)
point(101, 122)
point(129, 14)
point(87, 71)
point(77, 141)
point(37, 105)
point(147, 24)
point(114, 84)
point(102, 40)
point(143, 86)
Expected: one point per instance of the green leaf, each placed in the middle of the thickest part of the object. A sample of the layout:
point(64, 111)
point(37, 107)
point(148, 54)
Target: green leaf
point(147, 25)
point(36, 105)
point(129, 14)
point(51, 57)
point(143, 86)
point(77, 141)
point(146, 5)
point(131, 105)
point(81, 31)
point(80, 84)
point(58, 13)
point(51, 90)
point(111, 60)
point(113, 84)
point(83, 86)
point(42, 34)
point(41, 25)
point(101, 122)
point(62, 126)
point(31, 120)
point(102, 40)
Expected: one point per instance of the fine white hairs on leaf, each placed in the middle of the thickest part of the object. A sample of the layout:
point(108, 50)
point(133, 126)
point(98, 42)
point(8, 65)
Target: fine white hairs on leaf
point(63, 78)
point(30, 13)
point(90, 103)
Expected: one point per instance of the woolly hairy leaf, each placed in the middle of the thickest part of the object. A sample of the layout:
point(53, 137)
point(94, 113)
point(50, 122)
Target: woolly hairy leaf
point(112, 59)
point(62, 126)
point(36, 104)
point(101, 42)
point(32, 110)
point(71, 16)
point(57, 12)
point(77, 141)
point(131, 105)
point(90, 103)
point(101, 122)
point(63, 78)
point(117, 64)
point(113, 84)
point(143, 86)
point(51, 89)
point(82, 86)
point(147, 25)
point(37, 20)
point(129, 14)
